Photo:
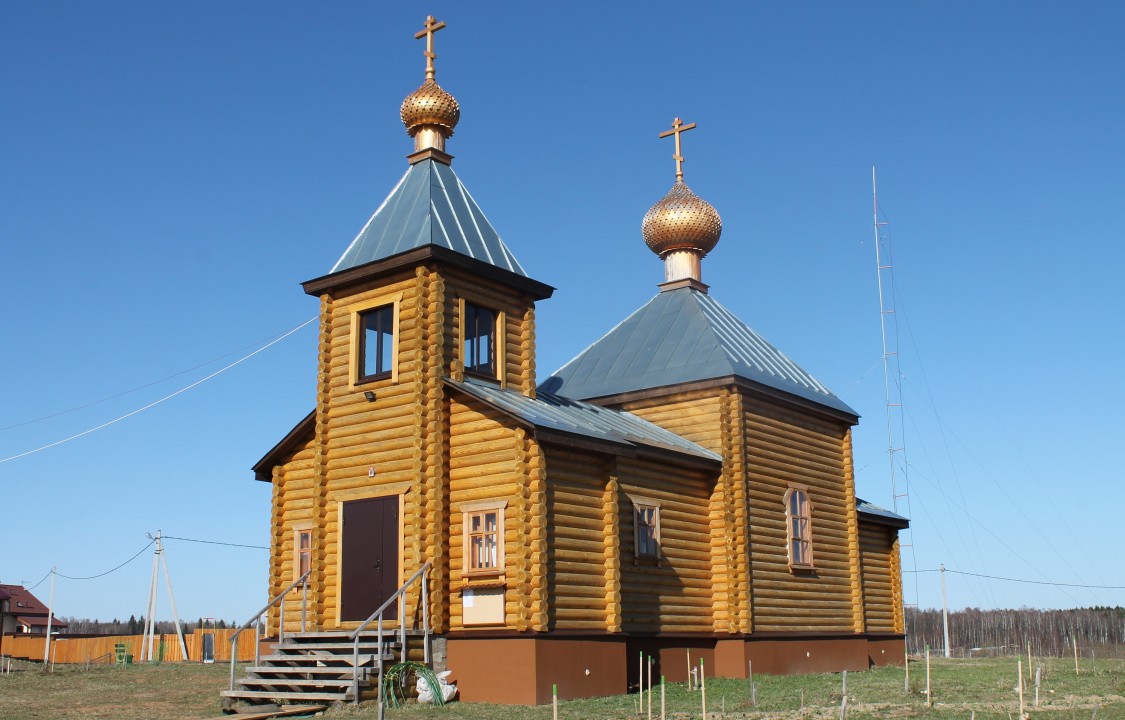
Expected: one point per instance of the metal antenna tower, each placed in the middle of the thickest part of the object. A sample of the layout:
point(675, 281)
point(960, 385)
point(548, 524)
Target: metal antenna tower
point(892, 379)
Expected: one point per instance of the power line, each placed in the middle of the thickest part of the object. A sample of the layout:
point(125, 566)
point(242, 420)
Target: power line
point(39, 583)
point(133, 390)
point(215, 542)
point(107, 572)
point(157, 402)
point(1020, 580)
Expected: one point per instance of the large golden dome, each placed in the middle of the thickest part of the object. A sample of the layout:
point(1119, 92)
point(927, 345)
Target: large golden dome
point(430, 105)
point(681, 220)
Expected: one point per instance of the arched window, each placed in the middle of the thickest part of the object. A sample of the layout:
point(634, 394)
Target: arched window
point(798, 520)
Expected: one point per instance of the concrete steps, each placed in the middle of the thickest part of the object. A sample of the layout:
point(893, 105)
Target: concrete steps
point(316, 667)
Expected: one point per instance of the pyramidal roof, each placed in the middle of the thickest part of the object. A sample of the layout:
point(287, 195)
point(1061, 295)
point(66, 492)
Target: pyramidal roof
point(429, 206)
point(683, 335)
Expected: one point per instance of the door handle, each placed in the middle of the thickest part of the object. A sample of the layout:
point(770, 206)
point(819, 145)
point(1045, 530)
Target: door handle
point(378, 565)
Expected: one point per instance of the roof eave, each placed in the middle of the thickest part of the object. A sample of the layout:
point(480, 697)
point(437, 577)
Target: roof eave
point(876, 519)
point(408, 258)
point(725, 381)
point(263, 469)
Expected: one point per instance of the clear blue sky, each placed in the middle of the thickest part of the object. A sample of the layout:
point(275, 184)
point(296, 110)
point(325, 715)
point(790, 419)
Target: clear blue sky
point(170, 174)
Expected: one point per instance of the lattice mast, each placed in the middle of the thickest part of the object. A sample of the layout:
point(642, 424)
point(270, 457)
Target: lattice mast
point(892, 380)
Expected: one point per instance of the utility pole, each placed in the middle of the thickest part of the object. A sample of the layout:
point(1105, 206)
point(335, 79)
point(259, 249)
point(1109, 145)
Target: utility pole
point(50, 615)
point(149, 639)
point(945, 612)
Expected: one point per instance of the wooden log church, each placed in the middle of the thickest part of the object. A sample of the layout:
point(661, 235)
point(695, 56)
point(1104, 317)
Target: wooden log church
point(680, 487)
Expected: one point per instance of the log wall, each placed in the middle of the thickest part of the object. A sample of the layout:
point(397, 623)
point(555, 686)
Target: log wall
point(712, 418)
point(578, 589)
point(877, 545)
point(786, 446)
point(675, 594)
point(293, 497)
point(484, 456)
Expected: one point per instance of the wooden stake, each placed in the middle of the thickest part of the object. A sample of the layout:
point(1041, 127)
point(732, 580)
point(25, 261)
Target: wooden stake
point(662, 697)
point(929, 696)
point(555, 701)
point(641, 683)
point(689, 683)
point(906, 664)
point(649, 687)
point(703, 687)
point(1019, 682)
point(844, 696)
point(802, 700)
point(1038, 674)
point(1030, 662)
point(1075, 640)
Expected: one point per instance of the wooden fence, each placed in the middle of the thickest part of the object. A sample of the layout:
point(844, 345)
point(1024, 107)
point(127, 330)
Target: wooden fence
point(79, 650)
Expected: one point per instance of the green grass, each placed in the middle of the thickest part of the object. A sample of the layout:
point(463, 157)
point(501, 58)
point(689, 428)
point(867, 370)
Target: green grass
point(960, 688)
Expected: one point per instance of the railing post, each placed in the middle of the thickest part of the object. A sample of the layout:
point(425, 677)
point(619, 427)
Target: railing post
point(304, 602)
point(281, 622)
point(425, 620)
point(379, 650)
point(233, 655)
point(258, 642)
point(355, 669)
point(402, 626)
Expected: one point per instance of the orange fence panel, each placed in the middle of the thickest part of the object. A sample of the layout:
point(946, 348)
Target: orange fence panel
point(67, 650)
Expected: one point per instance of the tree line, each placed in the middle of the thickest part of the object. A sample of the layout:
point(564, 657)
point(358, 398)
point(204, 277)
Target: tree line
point(133, 626)
point(973, 631)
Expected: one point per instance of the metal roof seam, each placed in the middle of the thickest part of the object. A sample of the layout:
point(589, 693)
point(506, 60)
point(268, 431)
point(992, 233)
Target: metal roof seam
point(371, 219)
point(473, 219)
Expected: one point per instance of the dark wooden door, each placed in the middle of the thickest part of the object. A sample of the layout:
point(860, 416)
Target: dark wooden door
point(369, 565)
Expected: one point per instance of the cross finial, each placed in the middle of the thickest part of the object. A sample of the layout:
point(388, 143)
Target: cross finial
point(677, 128)
point(432, 26)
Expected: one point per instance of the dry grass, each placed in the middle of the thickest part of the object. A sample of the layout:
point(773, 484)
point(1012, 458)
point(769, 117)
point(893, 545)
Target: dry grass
point(961, 687)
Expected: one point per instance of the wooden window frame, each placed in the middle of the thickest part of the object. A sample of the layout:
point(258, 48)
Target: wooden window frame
point(640, 505)
point(383, 357)
point(793, 534)
point(299, 529)
point(468, 511)
point(356, 356)
point(497, 345)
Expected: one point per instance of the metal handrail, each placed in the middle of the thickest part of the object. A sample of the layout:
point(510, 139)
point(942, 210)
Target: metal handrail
point(257, 625)
point(400, 596)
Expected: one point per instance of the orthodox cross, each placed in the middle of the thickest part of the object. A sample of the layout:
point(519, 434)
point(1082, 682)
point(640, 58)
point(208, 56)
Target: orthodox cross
point(432, 26)
point(677, 128)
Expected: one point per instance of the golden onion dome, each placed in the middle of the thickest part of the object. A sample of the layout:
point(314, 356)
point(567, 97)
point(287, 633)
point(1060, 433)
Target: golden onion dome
point(430, 105)
point(681, 220)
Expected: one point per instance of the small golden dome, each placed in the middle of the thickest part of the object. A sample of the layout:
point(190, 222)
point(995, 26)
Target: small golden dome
point(430, 105)
point(681, 220)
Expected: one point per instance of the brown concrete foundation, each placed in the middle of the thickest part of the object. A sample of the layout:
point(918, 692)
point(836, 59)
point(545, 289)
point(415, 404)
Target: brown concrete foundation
point(521, 670)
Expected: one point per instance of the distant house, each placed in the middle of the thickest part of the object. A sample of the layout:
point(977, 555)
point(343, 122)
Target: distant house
point(26, 614)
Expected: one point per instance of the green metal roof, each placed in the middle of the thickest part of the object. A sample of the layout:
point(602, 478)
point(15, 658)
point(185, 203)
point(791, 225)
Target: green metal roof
point(680, 336)
point(572, 417)
point(429, 206)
